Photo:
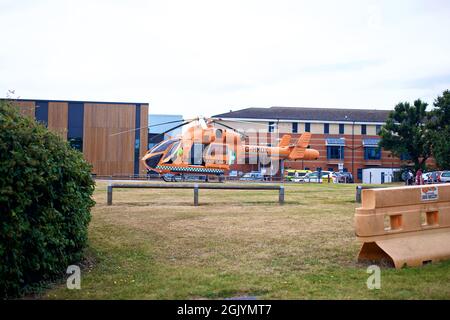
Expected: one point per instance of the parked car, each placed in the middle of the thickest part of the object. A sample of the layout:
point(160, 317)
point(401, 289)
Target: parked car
point(252, 176)
point(234, 175)
point(431, 177)
point(344, 177)
point(326, 176)
point(296, 175)
point(445, 176)
point(425, 177)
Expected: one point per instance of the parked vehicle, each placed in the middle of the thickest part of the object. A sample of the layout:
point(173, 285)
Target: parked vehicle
point(234, 175)
point(426, 177)
point(344, 177)
point(445, 176)
point(431, 177)
point(253, 176)
point(296, 175)
point(326, 176)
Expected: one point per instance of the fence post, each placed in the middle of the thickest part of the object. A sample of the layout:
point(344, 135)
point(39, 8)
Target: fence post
point(196, 194)
point(110, 190)
point(281, 195)
point(358, 194)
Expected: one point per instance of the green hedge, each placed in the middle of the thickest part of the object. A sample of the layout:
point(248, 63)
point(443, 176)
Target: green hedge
point(45, 202)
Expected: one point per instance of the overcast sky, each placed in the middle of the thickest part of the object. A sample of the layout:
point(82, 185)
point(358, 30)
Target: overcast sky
point(207, 57)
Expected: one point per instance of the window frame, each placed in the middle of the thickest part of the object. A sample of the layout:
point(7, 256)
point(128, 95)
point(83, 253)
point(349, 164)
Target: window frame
point(363, 129)
point(340, 152)
point(307, 127)
point(369, 149)
point(378, 129)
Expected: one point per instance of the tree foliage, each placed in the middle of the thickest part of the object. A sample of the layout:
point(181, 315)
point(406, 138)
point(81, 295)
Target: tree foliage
point(440, 126)
point(45, 202)
point(406, 132)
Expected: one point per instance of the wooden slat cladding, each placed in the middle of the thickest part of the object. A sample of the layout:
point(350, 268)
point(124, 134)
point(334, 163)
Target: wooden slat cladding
point(109, 155)
point(143, 137)
point(26, 108)
point(57, 118)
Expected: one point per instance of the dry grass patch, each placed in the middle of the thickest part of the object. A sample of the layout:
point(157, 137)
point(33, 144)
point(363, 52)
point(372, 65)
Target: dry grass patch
point(155, 244)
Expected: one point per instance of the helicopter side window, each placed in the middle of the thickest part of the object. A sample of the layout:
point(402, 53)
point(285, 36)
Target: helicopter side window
point(197, 154)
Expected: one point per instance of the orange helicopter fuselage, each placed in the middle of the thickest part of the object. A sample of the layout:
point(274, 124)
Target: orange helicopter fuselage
point(210, 150)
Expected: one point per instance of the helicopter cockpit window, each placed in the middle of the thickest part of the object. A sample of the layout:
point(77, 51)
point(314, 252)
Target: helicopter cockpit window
point(173, 152)
point(163, 146)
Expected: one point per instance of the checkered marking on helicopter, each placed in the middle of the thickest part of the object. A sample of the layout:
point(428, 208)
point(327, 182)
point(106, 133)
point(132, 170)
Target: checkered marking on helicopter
point(190, 169)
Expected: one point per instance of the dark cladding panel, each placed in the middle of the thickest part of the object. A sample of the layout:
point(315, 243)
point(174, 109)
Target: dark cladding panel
point(41, 112)
point(137, 139)
point(75, 125)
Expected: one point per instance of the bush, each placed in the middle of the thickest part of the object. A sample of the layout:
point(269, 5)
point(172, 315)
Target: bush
point(45, 202)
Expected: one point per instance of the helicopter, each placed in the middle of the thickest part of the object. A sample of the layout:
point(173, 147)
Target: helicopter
point(207, 150)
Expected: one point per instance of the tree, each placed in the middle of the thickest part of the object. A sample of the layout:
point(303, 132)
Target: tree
point(439, 123)
point(45, 201)
point(406, 132)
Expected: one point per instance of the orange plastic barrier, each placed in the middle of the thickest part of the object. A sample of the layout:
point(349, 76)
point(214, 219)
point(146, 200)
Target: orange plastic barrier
point(405, 225)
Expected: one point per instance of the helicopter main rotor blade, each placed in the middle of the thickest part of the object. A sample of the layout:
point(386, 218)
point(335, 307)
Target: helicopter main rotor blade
point(170, 122)
point(151, 126)
point(171, 129)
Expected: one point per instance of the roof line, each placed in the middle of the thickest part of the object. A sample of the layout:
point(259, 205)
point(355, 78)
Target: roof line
point(300, 120)
point(73, 101)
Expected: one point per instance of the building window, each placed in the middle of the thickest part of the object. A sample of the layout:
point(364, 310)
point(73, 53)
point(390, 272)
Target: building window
point(294, 127)
point(363, 129)
point(341, 128)
point(335, 152)
point(307, 127)
point(378, 129)
point(372, 153)
point(360, 173)
point(75, 125)
point(326, 128)
point(41, 112)
point(330, 169)
point(271, 126)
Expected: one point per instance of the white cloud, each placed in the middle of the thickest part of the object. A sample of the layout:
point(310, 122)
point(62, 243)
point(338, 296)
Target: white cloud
point(205, 57)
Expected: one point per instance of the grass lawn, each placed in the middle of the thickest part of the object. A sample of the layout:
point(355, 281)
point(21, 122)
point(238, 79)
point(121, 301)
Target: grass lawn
point(154, 244)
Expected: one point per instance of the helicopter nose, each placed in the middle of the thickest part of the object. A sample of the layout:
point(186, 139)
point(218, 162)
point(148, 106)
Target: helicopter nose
point(311, 154)
point(151, 160)
point(316, 154)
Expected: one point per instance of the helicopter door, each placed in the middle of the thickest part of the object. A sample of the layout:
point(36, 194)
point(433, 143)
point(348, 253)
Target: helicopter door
point(197, 154)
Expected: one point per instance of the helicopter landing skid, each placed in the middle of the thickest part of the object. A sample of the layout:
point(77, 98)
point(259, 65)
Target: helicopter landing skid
point(168, 177)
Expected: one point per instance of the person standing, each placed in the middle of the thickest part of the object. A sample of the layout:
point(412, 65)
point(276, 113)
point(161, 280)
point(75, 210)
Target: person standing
point(434, 176)
point(419, 177)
